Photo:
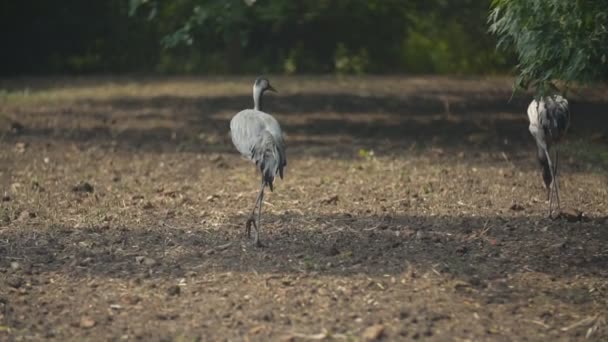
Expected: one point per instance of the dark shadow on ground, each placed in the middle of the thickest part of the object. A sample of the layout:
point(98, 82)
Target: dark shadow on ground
point(486, 122)
point(484, 248)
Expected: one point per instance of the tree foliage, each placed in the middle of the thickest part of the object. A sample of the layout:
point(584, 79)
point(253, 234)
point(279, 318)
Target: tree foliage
point(557, 40)
point(344, 36)
point(248, 36)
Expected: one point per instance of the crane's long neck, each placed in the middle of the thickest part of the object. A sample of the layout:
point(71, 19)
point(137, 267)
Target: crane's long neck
point(257, 98)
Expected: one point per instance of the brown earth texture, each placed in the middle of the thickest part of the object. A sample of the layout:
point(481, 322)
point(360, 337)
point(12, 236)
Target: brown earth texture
point(412, 208)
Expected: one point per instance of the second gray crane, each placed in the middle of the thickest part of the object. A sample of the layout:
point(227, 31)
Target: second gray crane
point(549, 121)
point(258, 137)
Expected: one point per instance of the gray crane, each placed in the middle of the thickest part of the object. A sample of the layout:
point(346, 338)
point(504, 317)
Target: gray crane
point(549, 121)
point(258, 137)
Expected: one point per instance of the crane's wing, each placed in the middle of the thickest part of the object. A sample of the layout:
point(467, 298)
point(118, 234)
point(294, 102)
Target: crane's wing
point(549, 118)
point(258, 137)
point(559, 113)
point(537, 115)
point(245, 129)
point(274, 129)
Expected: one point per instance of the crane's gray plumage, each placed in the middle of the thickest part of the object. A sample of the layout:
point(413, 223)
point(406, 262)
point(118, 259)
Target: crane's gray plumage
point(549, 121)
point(258, 137)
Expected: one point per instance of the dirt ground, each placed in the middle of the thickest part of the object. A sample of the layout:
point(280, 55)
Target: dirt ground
point(412, 209)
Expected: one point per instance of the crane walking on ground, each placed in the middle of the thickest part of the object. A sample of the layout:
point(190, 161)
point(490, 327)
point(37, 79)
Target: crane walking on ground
point(258, 137)
point(549, 121)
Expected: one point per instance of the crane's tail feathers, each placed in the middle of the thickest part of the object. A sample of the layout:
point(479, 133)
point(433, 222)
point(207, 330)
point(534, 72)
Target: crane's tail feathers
point(269, 156)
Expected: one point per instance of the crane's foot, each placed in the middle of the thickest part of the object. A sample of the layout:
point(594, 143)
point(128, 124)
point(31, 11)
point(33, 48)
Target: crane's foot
point(256, 234)
point(258, 243)
point(250, 222)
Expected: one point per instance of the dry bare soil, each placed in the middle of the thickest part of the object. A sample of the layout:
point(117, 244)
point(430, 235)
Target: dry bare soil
point(412, 209)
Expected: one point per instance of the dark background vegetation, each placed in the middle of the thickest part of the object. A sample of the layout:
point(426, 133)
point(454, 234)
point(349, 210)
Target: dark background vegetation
point(271, 36)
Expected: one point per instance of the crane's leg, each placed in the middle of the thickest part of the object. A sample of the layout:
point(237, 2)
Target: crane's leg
point(552, 182)
point(256, 237)
point(556, 172)
point(251, 221)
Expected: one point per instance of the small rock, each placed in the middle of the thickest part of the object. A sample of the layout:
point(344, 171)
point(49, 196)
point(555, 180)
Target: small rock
point(267, 316)
point(15, 282)
point(25, 215)
point(256, 330)
point(145, 261)
point(559, 245)
point(462, 250)
point(15, 266)
point(85, 262)
point(20, 147)
point(215, 158)
point(173, 290)
point(167, 316)
point(373, 333)
point(148, 206)
point(516, 207)
point(287, 338)
point(130, 300)
point(212, 198)
point(87, 322)
point(37, 187)
point(331, 200)
point(421, 235)
point(459, 284)
point(572, 215)
point(83, 187)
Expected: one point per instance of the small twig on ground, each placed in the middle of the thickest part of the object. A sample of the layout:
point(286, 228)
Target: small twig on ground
point(583, 322)
point(373, 228)
point(317, 337)
point(538, 323)
point(218, 248)
point(481, 234)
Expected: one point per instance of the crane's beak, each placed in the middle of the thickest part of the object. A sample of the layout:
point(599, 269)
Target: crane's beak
point(270, 88)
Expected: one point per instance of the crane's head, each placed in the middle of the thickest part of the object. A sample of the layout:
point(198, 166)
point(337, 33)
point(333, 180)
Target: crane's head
point(262, 84)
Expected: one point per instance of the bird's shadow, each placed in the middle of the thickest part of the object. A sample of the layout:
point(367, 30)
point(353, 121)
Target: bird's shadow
point(334, 244)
